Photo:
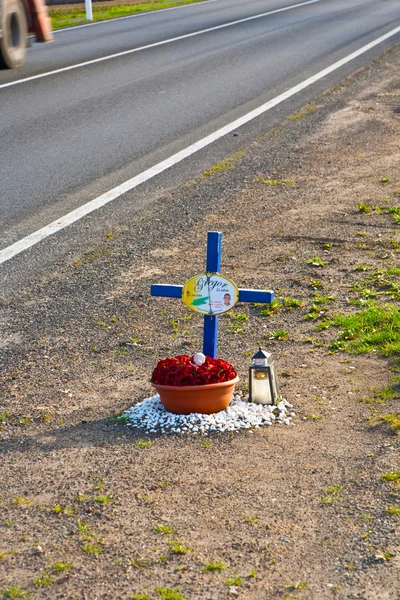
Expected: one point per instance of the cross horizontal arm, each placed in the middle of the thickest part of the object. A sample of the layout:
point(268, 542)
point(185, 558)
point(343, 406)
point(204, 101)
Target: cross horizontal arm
point(262, 296)
point(168, 291)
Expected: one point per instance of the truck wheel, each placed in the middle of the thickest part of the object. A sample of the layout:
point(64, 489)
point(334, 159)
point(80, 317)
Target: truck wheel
point(14, 29)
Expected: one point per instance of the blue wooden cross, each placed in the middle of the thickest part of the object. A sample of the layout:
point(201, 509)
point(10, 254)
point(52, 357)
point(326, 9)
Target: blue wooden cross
point(213, 265)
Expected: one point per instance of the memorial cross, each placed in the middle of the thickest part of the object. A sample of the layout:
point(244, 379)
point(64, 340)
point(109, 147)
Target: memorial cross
point(213, 265)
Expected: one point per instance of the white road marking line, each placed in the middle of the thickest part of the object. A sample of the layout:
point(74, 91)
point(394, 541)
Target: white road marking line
point(155, 45)
point(134, 16)
point(89, 207)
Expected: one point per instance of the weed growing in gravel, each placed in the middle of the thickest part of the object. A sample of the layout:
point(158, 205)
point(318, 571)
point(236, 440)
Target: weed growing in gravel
point(236, 324)
point(316, 261)
point(283, 182)
point(21, 501)
point(176, 324)
point(298, 585)
point(236, 581)
point(62, 510)
point(93, 548)
point(278, 334)
point(225, 165)
point(216, 567)
point(273, 308)
point(393, 511)
point(391, 419)
point(144, 443)
point(364, 208)
point(103, 499)
point(164, 529)
point(291, 303)
point(81, 498)
point(316, 284)
point(140, 597)
point(121, 418)
point(100, 485)
point(59, 567)
point(43, 580)
point(169, 594)
point(314, 313)
point(332, 494)
point(305, 111)
point(362, 268)
point(392, 476)
point(177, 548)
point(318, 299)
point(15, 592)
point(252, 520)
point(384, 179)
point(382, 396)
point(206, 444)
point(312, 417)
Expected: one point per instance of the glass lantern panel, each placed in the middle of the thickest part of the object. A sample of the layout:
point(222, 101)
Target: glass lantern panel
point(260, 387)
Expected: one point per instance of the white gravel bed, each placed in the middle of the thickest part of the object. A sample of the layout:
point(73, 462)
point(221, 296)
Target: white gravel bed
point(151, 417)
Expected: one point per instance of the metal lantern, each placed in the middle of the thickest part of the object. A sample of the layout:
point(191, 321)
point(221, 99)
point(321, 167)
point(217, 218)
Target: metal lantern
point(263, 382)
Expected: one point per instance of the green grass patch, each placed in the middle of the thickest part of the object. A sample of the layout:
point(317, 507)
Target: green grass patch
point(392, 476)
point(14, 592)
point(278, 334)
point(169, 594)
point(393, 510)
point(164, 529)
point(303, 113)
point(382, 396)
point(273, 308)
point(225, 165)
point(237, 322)
point(216, 567)
point(60, 566)
point(316, 261)
point(68, 17)
point(43, 580)
point(236, 581)
point(177, 548)
point(274, 182)
point(103, 499)
point(364, 208)
point(377, 327)
point(292, 303)
point(391, 419)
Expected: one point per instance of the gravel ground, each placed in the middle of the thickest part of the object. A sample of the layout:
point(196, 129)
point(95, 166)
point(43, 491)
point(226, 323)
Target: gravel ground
point(93, 509)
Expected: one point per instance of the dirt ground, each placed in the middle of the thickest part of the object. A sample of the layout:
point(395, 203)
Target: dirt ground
point(89, 508)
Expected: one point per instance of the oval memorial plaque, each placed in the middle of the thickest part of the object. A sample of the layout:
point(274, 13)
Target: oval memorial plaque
point(210, 294)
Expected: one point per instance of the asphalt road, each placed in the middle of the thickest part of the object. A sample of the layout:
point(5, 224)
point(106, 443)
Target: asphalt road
point(72, 135)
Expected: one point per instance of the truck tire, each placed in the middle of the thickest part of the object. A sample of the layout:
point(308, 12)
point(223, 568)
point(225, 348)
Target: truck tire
point(14, 29)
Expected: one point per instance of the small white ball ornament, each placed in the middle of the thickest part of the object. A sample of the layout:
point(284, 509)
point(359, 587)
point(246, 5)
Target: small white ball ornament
point(199, 359)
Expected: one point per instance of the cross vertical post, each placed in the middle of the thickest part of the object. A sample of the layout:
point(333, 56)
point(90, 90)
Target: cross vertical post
point(213, 265)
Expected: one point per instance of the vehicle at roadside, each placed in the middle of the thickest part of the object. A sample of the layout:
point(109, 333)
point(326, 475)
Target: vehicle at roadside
point(19, 18)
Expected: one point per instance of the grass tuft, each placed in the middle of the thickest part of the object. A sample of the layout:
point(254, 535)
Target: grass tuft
point(376, 328)
point(216, 567)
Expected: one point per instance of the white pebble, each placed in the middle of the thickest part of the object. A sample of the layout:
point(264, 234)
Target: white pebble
point(150, 416)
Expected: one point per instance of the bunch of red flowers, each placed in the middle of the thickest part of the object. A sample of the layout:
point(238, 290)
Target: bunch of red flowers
point(182, 371)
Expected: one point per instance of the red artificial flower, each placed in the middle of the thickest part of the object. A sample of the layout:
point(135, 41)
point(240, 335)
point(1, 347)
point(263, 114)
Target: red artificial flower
point(181, 371)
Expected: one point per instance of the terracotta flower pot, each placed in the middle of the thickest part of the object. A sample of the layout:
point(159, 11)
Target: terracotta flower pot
point(205, 399)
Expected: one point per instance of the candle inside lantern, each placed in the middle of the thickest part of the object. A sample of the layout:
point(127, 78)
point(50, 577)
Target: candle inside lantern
point(261, 389)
